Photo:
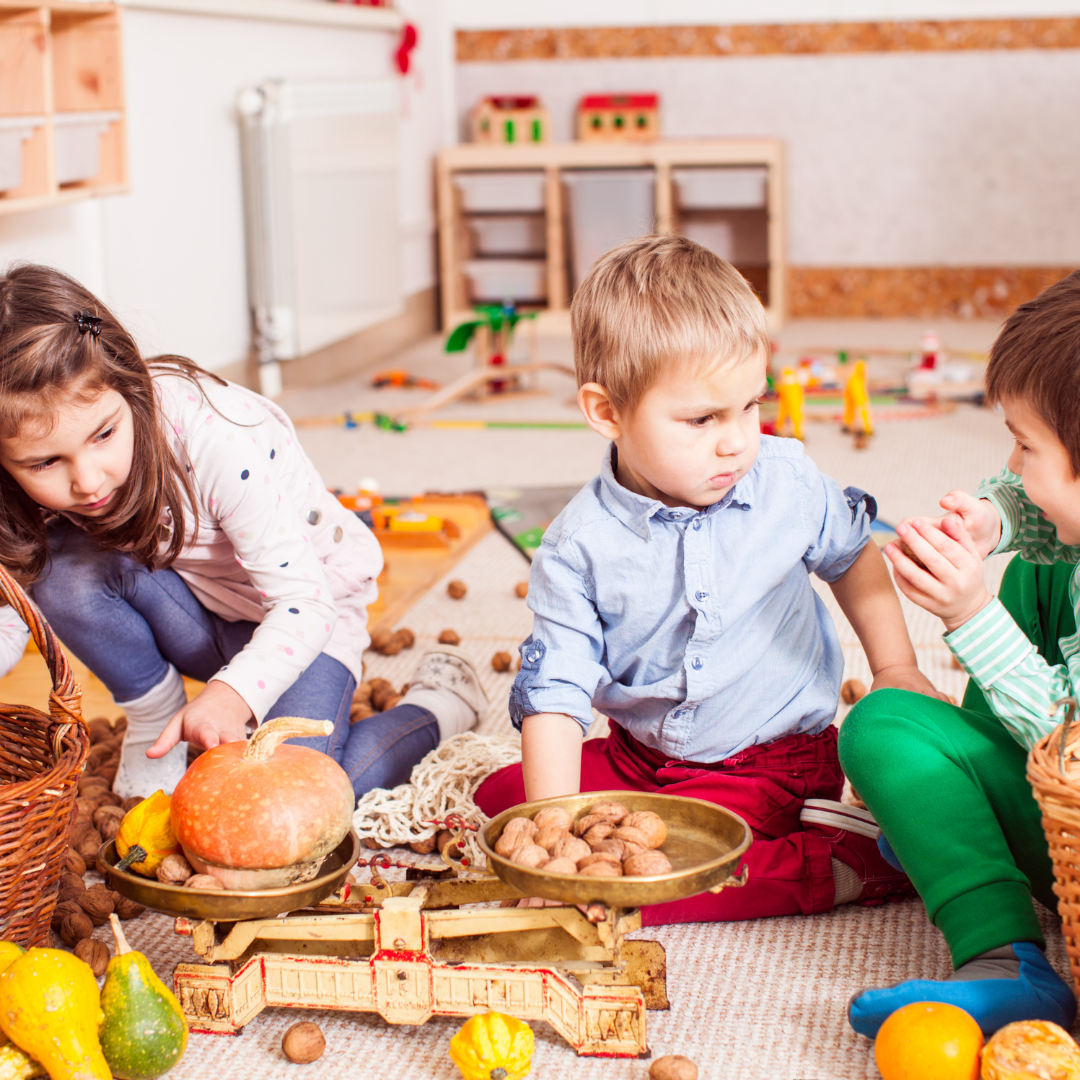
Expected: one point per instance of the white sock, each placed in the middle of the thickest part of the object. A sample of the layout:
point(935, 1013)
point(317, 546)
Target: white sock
point(849, 885)
point(147, 716)
point(454, 715)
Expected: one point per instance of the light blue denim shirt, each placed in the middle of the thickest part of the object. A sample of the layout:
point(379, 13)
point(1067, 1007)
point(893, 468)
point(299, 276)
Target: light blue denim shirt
point(698, 632)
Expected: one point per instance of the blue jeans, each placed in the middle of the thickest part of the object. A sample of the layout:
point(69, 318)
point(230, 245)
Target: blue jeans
point(127, 624)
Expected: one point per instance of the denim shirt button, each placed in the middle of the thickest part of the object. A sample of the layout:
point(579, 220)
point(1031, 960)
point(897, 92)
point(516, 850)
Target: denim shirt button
point(533, 657)
point(696, 663)
point(697, 523)
point(701, 594)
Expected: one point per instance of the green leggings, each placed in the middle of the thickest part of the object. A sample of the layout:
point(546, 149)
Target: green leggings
point(947, 785)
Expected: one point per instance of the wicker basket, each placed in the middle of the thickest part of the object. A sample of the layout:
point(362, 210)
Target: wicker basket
point(41, 759)
point(1054, 773)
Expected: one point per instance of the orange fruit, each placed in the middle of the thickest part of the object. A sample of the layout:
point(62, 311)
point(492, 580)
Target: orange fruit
point(928, 1040)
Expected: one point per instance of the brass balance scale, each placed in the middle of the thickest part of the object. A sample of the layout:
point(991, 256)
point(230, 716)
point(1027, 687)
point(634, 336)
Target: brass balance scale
point(413, 949)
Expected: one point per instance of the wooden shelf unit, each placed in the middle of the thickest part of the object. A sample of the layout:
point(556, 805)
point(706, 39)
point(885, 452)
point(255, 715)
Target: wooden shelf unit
point(553, 159)
point(62, 56)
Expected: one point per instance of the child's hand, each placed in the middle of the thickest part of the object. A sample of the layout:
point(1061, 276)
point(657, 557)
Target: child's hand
point(906, 677)
point(952, 585)
point(979, 516)
point(218, 714)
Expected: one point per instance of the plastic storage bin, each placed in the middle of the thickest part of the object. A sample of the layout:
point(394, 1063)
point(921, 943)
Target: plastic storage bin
point(510, 234)
point(720, 188)
point(607, 207)
point(501, 192)
point(14, 131)
point(492, 281)
point(78, 144)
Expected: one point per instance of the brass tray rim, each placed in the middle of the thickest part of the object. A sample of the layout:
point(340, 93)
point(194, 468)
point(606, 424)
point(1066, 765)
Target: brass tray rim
point(654, 888)
point(222, 905)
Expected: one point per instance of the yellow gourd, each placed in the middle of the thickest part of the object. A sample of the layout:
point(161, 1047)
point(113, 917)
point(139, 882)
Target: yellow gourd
point(9, 951)
point(493, 1047)
point(50, 1007)
point(146, 835)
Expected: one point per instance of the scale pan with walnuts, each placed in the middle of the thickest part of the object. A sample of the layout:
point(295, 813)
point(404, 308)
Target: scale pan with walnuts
point(436, 944)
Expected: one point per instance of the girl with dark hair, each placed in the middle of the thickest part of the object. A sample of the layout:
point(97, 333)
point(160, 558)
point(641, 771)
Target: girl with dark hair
point(168, 523)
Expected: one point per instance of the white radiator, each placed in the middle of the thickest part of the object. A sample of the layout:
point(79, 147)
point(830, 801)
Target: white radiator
point(320, 165)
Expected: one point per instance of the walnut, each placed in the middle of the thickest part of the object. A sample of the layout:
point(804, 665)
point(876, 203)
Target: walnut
point(571, 847)
point(560, 866)
point(203, 881)
point(456, 590)
point(97, 903)
point(529, 854)
point(381, 692)
point(100, 729)
point(63, 910)
point(362, 693)
point(673, 1067)
point(521, 825)
point(109, 798)
point(423, 847)
point(631, 835)
point(110, 769)
point(549, 837)
point(128, 909)
point(648, 862)
point(392, 701)
point(85, 807)
point(132, 802)
point(406, 637)
point(360, 711)
point(611, 846)
point(380, 638)
point(75, 928)
point(88, 846)
point(553, 815)
point(601, 869)
point(521, 589)
point(95, 953)
point(508, 843)
point(613, 811)
point(393, 646)
point(107, 821)
point(600, 831)
point(449, 637)
point(853, 690)
point(88, 783)
point(584, 824)
point(650, 824)
point(303, 1043)
point(501, 661)
point(174, 870)
point(72, 881)
point(599, 856)
point(631, 848)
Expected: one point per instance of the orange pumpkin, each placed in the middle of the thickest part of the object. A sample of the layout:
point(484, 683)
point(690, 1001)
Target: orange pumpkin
point(259, 815)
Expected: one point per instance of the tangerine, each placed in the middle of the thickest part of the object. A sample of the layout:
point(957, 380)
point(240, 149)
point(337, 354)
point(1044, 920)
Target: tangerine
point(929, 1040)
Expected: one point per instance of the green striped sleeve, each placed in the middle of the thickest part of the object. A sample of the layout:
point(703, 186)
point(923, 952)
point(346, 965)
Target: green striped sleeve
point(1005, 498)
point(1018, 683)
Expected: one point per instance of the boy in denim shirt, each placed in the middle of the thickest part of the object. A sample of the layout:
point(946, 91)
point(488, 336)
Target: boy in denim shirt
point(673, 594)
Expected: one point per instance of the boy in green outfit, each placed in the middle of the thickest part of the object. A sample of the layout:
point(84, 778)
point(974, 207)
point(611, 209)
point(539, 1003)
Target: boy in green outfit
point(947, 784)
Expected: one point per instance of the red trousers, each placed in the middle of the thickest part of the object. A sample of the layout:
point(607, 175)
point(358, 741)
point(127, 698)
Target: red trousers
point(790, 867)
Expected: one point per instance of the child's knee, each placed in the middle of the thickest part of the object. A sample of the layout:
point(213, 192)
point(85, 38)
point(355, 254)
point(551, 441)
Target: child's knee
point(872, 727)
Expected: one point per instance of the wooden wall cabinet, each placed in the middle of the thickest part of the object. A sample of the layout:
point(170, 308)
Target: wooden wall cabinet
point(61, 65)
point(664, 156)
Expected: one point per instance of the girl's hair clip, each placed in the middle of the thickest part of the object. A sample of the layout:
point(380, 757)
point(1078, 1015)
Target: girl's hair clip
point(87, 323)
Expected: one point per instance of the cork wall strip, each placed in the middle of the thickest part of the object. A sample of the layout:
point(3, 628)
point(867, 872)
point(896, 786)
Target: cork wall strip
point(915, 292)
point(795, 38)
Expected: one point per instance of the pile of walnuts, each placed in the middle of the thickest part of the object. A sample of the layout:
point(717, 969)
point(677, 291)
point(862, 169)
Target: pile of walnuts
point(606, 841)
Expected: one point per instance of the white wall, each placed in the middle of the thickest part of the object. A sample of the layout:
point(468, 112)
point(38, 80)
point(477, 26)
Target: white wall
point(170, 255)
point(894, 159)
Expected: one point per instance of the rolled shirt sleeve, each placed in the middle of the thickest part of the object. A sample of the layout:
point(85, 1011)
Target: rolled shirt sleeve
point(841, 520)
point(561, 665)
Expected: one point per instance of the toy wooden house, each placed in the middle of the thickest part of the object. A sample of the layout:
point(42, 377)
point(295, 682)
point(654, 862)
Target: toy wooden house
point(619, 118)
point(510, 120)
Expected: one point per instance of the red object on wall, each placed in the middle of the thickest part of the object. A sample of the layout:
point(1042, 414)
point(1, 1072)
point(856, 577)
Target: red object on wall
point(409, 39)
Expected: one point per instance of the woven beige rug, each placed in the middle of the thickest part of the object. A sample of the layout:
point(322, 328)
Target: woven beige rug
point(760, 1000)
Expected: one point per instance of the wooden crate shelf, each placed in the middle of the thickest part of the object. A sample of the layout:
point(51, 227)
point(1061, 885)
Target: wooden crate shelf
point(553, 159)
point(62, 57)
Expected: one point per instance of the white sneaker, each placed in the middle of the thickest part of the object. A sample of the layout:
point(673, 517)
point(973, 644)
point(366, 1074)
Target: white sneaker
point(138, 775)
point(446, 684)
point(838, 815)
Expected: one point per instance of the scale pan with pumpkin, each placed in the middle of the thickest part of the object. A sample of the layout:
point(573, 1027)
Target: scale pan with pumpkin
point(438, 944)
